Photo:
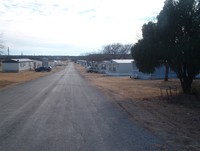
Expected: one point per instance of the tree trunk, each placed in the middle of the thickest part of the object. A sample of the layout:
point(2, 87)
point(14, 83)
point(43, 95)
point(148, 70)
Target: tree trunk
point(166, 72)
point(186, 84)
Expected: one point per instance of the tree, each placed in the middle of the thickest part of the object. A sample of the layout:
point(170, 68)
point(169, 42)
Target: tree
point(174, 39)
point(110, 51)
point(117, 50)
point(179, 27)
point(125, 51)
point(145, 51)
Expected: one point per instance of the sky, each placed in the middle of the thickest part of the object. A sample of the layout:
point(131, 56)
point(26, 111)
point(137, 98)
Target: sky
point(72, 27)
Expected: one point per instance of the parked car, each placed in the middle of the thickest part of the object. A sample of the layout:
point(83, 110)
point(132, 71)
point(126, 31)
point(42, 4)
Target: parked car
point(48, 69)
point(92, 69)
point(43, 68)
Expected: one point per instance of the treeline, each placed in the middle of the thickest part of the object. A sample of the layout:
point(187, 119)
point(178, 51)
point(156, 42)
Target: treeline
point(110, 51)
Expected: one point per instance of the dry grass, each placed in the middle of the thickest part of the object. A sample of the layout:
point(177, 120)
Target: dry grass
point(177, 124)
point(129, 88)
point(8, 79)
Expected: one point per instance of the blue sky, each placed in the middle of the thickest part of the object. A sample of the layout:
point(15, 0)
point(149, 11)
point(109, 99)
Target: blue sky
point(72, 27)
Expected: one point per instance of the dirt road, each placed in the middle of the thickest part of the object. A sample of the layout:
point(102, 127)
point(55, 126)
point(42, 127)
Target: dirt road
point(62, 111)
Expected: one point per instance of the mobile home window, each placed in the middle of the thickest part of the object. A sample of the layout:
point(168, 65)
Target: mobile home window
point(114, 67)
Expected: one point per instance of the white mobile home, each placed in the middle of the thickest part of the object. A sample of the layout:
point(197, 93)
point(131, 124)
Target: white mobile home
point(158, 74)
point(37, 63)
point(118, 67)
point(17, 65)
point(82, 62)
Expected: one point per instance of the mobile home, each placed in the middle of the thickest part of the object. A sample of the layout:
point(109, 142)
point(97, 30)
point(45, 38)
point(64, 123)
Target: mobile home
point(17, 65)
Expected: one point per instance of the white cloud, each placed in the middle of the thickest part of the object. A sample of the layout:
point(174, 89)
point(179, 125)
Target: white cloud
point(73, 26)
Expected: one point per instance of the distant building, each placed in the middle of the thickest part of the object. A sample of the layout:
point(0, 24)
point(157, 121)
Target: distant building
point(17, 65)
point(127, 67)
point(118, 67)
point(82, 62)
point(37, 63)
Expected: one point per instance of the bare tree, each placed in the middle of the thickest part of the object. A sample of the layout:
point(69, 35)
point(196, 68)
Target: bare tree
point(125, 51)
point(110, 51)
point(117, 50)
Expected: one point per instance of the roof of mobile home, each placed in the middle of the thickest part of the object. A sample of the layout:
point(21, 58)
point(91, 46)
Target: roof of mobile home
point(122, 60)
point(17, 60)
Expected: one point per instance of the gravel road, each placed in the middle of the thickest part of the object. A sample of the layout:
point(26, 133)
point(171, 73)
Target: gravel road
point(63, 112)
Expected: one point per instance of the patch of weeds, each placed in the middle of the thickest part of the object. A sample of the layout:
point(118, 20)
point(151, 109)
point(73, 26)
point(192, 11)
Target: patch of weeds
point(196, 89)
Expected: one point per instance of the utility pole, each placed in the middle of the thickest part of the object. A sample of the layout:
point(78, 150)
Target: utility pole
point(8, 51)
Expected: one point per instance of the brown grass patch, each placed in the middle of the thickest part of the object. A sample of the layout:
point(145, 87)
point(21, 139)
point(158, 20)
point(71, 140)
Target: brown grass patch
point(7, 79)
